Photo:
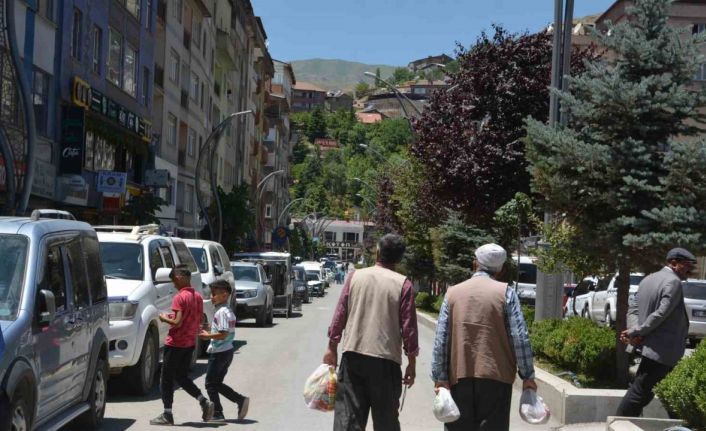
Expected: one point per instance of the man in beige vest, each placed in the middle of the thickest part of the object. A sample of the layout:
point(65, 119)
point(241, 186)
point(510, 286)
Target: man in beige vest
point(481, 341)
point(376, 318)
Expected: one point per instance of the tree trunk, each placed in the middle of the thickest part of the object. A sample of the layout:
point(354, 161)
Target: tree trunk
point(621, 357)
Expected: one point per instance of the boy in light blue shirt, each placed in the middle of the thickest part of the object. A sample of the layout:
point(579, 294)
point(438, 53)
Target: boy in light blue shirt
point(220, 352)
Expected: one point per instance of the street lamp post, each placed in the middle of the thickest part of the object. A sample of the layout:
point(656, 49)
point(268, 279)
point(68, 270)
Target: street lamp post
point(207, 153)
point(284, 210)
point(365, 183)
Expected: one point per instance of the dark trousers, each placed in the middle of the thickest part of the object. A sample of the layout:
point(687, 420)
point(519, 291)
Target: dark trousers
point(175, 367)
point(484, 405)
point(639, 394)
point(218, 364)
point(367, 384)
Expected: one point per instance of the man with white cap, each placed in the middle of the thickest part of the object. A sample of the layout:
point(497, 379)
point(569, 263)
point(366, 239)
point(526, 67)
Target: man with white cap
point(481, 342)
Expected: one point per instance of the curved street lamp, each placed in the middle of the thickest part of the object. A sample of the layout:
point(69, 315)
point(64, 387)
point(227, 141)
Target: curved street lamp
point(372, 204)
point(208, 153)
point(367, 184)
point(284, 210)
point(397, 93)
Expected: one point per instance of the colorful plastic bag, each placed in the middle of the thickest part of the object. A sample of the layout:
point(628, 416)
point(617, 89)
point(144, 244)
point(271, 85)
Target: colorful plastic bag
point(320, 389)
point(532, 408)
point(445, 409)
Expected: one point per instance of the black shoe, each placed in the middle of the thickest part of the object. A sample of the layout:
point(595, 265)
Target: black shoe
point(163, 419)
point(243, 408)
point(218, 417)
point(206, 410)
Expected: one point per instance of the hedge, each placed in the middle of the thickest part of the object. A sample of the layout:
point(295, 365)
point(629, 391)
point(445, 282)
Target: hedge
point(576, 344)
point(683, 391)
point(424, 301)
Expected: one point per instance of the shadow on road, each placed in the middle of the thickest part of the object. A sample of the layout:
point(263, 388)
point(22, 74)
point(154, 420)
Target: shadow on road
point(118, 392)
point(201, 424)
point(237, 344)
point(294, 315)
point(252, 324)
point(109, 424)
point(241, 421)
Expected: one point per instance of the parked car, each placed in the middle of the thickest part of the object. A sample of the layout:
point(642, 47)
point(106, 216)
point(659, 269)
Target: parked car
point(213, 264)
point(317, 283)
point(580, 301)
point(278, 267)
point(53, 323)
point(137, 262)
point(527, 286)
point(254, 296)
point(301, 290)
point(603, 306)
point(695, 301)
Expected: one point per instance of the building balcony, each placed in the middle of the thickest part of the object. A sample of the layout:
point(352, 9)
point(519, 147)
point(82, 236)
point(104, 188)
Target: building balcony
point(225, 49)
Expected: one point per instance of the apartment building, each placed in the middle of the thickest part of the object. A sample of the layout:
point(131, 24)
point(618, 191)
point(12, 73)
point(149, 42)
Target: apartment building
point(307, 96)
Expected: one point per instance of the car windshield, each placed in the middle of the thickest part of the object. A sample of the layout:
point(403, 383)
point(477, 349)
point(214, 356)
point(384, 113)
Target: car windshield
point(636, 279)
point(299, 274)
point(200, 258)
point(13, 261)
point(312, 276)
point(246, 273)
point(528, 273)
point(122, 260)
point(694, 290)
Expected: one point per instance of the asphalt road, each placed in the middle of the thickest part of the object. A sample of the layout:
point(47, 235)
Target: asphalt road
point(271, 366)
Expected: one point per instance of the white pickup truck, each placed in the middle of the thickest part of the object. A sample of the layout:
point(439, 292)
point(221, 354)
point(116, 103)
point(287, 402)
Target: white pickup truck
point(603, 306)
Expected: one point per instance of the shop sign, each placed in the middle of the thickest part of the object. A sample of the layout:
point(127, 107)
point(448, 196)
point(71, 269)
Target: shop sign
point(72, 135)
point(157, 178)
point(111, 204)
point(341, 244)
point(44, 181)
point(111, 182)
point(90, 98)
point(280, 235)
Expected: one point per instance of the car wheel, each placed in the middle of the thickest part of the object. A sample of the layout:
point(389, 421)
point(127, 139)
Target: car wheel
point(289, 306)
point(608, 321)
point(271, 315)
point(261, 319)
point(141, 375)
point(19, 414)
point(93, 418)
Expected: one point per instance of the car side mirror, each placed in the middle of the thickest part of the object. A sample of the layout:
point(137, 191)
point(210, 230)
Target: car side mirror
point(162, 275)
point(218, 269)
point(47, 308)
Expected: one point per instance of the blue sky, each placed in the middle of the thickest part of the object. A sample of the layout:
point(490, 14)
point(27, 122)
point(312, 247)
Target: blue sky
point(395, 32)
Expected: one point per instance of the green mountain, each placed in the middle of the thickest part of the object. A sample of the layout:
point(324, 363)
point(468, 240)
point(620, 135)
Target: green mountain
point(336, 74)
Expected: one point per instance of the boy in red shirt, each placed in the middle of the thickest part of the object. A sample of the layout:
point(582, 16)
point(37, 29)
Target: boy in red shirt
point(179, 346)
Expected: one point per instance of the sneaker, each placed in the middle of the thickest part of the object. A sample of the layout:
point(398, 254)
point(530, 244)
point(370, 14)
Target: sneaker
point(207, 410)
point(243, 408)
point(218, 417)
point(163, 419)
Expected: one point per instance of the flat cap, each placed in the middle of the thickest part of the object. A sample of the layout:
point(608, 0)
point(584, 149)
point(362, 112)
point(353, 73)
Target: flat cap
point(679, 253)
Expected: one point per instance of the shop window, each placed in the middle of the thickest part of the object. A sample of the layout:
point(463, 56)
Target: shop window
point(115, 52)
point(350, 236)
point(97, 49)
point(130, 71)
point(76, 34)
point(330, 236)
point(40, 101)
point(99, 155)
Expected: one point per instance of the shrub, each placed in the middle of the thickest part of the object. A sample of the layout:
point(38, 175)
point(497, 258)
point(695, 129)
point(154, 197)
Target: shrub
point(424, 301)
point(576, 344)
point(683, 391)
point(528, 314)
point(438, 303)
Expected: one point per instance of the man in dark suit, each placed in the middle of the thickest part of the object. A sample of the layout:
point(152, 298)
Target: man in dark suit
point(662, 328)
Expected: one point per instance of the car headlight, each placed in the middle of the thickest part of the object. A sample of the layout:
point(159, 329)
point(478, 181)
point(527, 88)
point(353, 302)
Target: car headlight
point(205, 291)
point(122, 310)
point(249, 293)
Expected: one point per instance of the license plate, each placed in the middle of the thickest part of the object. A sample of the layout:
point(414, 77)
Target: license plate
point(698, 313)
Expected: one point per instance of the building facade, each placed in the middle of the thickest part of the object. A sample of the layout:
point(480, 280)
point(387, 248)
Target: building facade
point(307, 96)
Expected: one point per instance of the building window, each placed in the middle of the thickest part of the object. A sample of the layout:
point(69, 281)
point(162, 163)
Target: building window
point(99, 155)
point(196, 32)
point(76, 34)
point(45, 8)
point(330, 236)
point(194, 87)
point(115, 53)
point(97, 49)
point(148, 15)
point(350, 236)
point(176, 11)
point(698, 28)
point(268, 211)
point(40, 101)
point(174, 67)
point(130, 71)
point(133, 6)
point(171, 129)
point(202, 93)
point(700, 73)
point(189, 199)
point(146, 86)
point(191, 142)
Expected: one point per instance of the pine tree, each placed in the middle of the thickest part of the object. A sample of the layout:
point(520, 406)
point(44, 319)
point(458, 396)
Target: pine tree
point(627, 173)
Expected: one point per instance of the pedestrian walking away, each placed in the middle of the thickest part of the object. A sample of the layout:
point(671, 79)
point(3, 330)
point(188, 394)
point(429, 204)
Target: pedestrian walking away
point(376, 319)
point(481, 342)
point(220, 352)
point(179, 346)
point(661, 330)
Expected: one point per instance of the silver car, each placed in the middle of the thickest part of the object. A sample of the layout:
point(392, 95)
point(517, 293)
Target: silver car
point(695, 301)
point(53, 324)
point(254, 296)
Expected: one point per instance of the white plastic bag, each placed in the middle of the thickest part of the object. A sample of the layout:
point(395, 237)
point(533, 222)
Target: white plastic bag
point(532, 408)
point(320, 389)
point(445, 409)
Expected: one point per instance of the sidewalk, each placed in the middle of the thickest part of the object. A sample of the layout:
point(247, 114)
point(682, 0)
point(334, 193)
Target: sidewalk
point(516, 423)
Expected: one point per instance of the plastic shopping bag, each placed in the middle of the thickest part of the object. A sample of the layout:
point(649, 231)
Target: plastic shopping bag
point(532, 408)
point(320, 389)
point(445, 409)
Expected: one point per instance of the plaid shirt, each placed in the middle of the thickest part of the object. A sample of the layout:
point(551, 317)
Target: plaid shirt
point(516, 330)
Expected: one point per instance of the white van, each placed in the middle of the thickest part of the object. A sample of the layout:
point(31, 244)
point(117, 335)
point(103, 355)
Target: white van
point(527, 287)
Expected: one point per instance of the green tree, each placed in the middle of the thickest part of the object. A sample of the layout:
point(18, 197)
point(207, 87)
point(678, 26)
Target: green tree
point(142, 209)
point(616, 174)
point(401, 75)
point(316, 128)
point(238, 218)
point(362, 89)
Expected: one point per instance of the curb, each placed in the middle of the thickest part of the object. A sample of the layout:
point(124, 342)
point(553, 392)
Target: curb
point(426, 320)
